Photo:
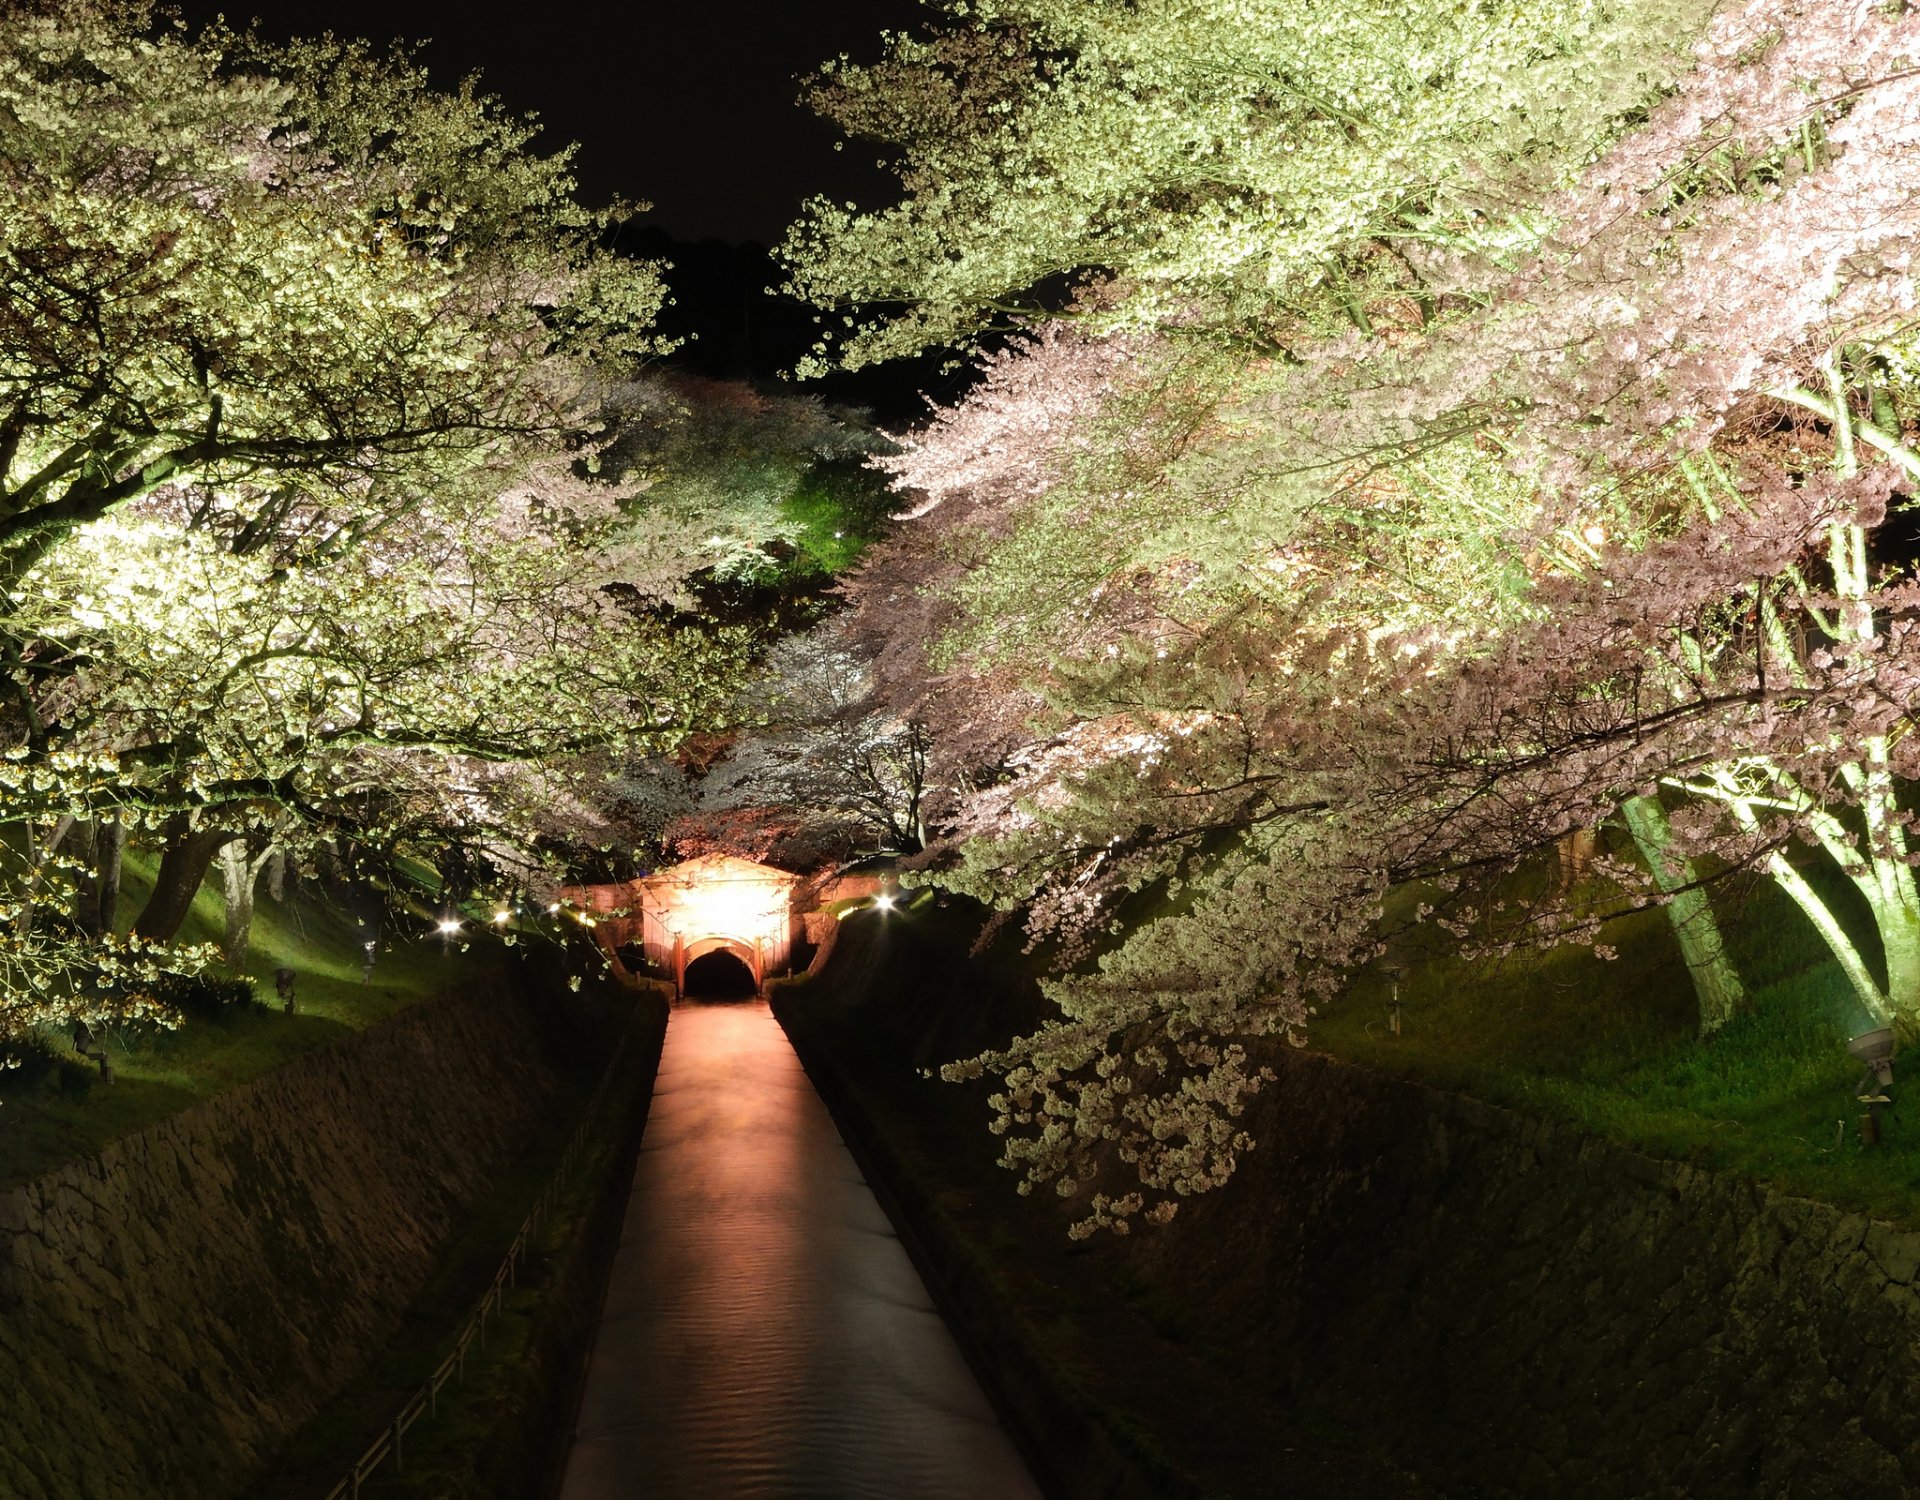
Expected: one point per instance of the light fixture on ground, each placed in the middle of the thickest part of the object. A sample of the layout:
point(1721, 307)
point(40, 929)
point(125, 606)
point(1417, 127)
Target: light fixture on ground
point(1875, 1050)
point(1395, 972)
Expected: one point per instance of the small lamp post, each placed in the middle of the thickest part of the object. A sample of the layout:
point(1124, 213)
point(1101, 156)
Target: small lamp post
point(1875, 1050)
point(1395, 972)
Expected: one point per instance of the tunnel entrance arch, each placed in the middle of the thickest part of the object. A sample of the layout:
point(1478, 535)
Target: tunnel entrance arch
point(676, 918)
point(720, 970)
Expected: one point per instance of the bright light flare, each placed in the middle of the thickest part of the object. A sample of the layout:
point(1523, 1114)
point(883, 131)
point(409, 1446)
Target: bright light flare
point(884, 902)
point(503, 916)
point(449, 925)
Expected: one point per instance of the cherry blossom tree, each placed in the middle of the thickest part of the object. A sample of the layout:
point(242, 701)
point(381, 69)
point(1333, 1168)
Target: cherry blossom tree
point(300, 364)
point(1592, 524)
point(1231, 163)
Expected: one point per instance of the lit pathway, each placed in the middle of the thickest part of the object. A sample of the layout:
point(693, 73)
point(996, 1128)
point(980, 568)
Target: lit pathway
point(764, 1333)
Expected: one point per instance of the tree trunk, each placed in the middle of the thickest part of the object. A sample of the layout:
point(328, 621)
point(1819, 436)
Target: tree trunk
point(236, 885)
point(37, 852)
point(109, 842)
point(1716, 983)
point(83, 845)
point(183, 866)
point(1900, 937)
point(1575, 851)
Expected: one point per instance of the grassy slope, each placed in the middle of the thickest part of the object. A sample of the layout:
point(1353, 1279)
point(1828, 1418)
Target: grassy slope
point(1610, 1045)
point(159, 1073)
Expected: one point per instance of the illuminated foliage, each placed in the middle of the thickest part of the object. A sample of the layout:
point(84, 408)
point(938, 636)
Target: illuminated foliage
point(1235, 164)
point(772, 491)
point(297, 281)
point(303, 367)
point(1425, 568)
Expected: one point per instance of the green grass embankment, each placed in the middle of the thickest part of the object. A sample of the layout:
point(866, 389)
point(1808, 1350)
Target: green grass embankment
point(1612, 1045)
point(160, 1072)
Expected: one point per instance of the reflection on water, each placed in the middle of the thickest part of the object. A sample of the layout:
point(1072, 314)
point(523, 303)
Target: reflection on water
point(764, 1333)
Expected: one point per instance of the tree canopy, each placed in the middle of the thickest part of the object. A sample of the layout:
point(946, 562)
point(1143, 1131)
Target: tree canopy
point(1225, 167)
point(306, 373)
point(1344, 561)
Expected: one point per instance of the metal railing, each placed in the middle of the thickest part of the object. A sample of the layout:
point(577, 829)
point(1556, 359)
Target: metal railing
point(425, 1402)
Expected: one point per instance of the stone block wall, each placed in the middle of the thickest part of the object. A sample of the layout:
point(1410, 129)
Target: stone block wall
point(172, 1309)
point(1516, 1309)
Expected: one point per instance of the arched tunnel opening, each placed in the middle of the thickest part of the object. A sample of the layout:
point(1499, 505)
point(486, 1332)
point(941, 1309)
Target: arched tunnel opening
point(719, 975)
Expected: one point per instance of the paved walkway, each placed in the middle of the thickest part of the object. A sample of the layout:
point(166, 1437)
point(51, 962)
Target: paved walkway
point(764, 1334)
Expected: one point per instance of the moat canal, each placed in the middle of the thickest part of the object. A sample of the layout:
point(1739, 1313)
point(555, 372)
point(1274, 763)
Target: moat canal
point(764, 1334)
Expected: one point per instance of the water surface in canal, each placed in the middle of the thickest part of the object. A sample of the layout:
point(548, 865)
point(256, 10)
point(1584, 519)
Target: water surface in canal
point(764, 1333)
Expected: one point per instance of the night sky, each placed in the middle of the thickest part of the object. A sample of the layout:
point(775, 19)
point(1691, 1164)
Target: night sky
point(689, 105)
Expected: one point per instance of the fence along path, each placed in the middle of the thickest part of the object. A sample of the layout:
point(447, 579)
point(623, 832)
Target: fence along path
point(425, 1402)
point(765, 1336)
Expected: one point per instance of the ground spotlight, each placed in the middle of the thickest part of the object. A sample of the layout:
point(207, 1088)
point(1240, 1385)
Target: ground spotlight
point(1874, 1049)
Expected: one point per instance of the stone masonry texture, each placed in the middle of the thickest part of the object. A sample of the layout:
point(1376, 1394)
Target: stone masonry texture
point(173, 1308)
point(1517, 1309)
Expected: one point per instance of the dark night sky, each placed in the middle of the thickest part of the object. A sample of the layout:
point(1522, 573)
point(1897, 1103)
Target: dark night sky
point(689, 105)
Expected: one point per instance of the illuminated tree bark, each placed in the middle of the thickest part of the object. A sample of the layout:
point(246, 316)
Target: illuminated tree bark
point(184, 860)
point(1716, 982)
point(240, 871)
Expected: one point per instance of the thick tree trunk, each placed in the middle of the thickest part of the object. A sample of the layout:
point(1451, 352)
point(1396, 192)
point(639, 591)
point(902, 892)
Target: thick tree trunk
point(183, 866)
point(1900, 938)
point(240, 871)
point(236, 885)
point(109, 842)
point(1716, 983)
point(99, 844)
point(1873, 999)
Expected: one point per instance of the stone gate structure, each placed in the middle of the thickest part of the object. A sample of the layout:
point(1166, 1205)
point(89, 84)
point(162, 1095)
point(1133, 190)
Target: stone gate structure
point(716, 903)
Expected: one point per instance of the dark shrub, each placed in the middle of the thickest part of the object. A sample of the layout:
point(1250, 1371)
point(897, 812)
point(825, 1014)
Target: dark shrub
point(76, 1077)
point(24, 1062)
point(205, 997)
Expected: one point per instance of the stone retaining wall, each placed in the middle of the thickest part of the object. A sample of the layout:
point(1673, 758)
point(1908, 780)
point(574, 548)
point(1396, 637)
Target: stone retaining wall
point(172, 1309)
point(1519, 1309)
